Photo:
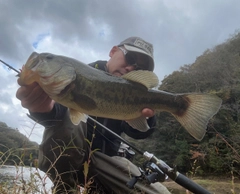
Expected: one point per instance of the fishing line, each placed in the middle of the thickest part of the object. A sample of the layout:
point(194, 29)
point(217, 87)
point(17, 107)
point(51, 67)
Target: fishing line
point(104, 136)
point(116, 135)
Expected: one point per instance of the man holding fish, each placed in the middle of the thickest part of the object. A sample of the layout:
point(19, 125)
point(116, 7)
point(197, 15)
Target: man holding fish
point(60, 92)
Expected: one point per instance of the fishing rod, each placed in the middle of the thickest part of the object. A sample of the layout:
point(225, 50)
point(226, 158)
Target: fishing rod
point(10, 67)
point(171, 172)
point(157, 167)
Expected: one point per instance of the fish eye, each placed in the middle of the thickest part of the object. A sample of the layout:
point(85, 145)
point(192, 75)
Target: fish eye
point(49, 56)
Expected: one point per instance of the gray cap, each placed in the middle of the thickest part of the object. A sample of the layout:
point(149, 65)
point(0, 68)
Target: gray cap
point(136, 44)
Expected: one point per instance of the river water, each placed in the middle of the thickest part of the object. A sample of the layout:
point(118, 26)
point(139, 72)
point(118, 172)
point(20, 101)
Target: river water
point(33, 179)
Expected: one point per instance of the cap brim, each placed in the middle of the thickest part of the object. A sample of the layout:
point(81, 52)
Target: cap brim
point(134, 49)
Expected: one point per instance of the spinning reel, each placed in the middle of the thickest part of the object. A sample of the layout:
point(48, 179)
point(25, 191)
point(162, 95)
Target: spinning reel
point(151, 174)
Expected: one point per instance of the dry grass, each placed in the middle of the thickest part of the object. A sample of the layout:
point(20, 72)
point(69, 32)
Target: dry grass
point(37, 182)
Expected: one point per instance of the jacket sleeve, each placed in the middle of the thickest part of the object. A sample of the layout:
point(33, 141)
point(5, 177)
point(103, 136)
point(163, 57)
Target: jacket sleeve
point(136, 134)
point(46, 119)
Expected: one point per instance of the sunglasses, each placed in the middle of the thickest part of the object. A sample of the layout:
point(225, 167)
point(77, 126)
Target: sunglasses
point(131, 59)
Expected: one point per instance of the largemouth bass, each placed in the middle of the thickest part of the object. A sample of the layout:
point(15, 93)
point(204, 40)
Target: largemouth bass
point(88, 91)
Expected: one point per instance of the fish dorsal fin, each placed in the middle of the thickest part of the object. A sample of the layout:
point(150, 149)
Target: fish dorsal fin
point(146, 78)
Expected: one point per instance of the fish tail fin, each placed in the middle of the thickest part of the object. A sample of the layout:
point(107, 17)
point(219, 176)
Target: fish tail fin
point(202, 107)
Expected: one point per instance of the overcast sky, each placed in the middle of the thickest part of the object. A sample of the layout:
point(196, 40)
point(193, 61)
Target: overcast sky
point(86, 30)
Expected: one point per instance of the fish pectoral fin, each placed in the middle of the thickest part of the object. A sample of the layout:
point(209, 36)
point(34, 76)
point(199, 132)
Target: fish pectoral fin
point(77, 116)
point(139, 123)
point(202, 107)
point(146, 78)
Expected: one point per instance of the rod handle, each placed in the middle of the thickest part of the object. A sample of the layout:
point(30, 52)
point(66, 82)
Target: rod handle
point(190, 185)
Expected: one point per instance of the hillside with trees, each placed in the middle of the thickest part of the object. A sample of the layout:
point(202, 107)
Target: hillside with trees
point(216, 71)
point(15, 148)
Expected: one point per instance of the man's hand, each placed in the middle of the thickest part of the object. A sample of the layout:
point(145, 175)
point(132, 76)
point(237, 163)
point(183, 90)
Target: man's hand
point(34, 98)
point(146, 112)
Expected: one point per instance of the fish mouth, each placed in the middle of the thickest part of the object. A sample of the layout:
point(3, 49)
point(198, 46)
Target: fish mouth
point(33, 61)
point(35, 70)
point(49, 71)
point(29, 73)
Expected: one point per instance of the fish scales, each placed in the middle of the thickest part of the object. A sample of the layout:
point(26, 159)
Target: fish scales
point(86, 90)
point(129, 98)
